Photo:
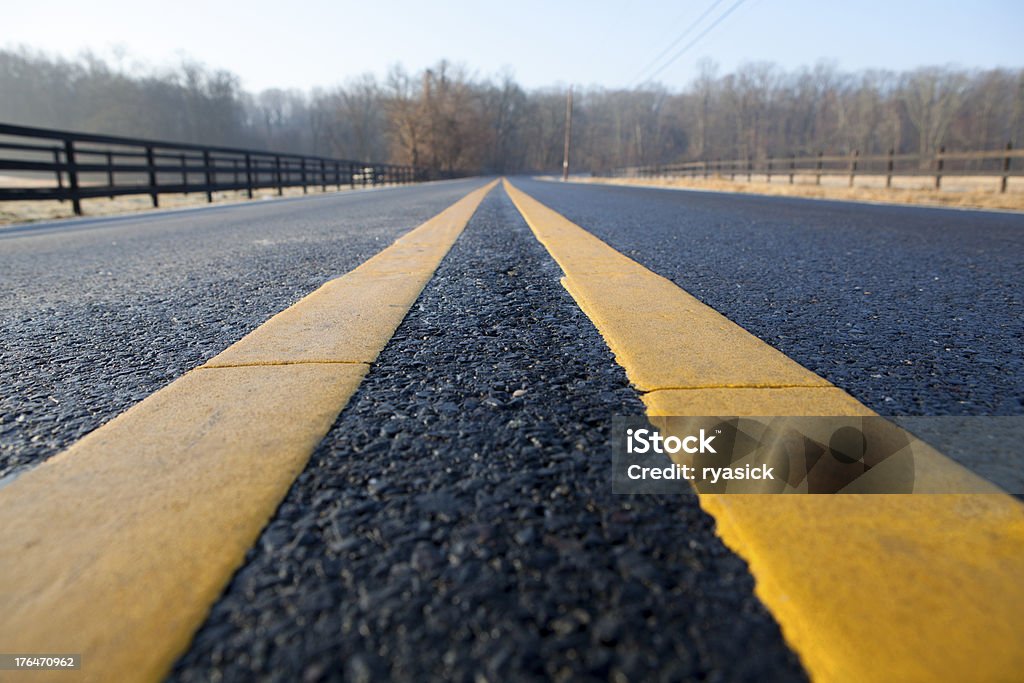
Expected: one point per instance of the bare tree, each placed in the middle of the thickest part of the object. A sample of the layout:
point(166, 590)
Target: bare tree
point(445, 120)
point(932, 97)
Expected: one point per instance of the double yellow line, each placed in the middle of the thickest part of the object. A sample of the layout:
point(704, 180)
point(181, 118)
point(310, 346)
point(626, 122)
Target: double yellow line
point(117, 547)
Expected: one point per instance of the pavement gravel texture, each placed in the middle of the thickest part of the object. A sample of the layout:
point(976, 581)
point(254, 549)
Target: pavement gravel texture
point(97, 314)
point(458, 523)
point(914, 311)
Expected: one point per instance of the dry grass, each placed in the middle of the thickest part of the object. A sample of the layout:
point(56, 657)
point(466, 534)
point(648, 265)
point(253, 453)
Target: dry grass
point(16, 212)
point(962, 192)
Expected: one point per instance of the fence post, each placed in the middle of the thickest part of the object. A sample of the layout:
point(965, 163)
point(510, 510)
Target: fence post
point(1006, 169)
point(889, 168)
point(110, 172)
point(940, 162)
point(248, 175)
point(277, 174)
point(69, 155)
point(305, 190)
point(60, 175)
point(769, 169)
point(792, 167)
point(208, 175)
point(750, 169)
point(337, 175)
point(151, 164)
point(817, 175)
point(853, 165)
point(184, 172)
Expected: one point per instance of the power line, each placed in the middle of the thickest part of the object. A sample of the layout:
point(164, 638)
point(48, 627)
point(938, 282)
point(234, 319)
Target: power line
point(693, 42)
point(696, 40)
point(688, 31)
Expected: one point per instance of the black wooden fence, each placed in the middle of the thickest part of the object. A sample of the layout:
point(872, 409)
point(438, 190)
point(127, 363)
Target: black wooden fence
point(996, 164)
point(84, 165)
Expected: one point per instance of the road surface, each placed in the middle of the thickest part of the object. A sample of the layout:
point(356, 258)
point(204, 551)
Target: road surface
point(457, 520)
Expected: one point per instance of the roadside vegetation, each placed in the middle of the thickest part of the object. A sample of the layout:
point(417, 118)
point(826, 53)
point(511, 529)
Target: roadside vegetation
point(446, 118)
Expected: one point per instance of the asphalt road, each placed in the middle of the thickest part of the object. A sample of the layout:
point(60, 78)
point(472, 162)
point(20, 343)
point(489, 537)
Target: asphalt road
point(914, 311)
point(97, 314)
point(457, 522)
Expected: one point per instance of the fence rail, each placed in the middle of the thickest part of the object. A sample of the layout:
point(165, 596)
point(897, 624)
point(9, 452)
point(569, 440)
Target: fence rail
point(85, 165)
point(989, 163)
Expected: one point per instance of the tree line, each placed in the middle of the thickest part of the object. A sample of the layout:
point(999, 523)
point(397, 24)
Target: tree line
point(447, 119)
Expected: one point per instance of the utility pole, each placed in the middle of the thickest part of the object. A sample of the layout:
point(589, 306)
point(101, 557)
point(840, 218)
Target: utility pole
point(568, 134)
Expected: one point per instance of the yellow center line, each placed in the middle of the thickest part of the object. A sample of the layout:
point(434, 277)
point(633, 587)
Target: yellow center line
point(116, 548)
point(865, 588)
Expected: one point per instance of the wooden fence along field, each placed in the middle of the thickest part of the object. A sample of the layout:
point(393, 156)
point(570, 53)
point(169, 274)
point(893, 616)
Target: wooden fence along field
point(83, 165)
point(994, 164)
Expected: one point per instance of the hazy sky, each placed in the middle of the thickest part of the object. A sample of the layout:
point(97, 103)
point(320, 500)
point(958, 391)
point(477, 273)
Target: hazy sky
point(305, 43)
